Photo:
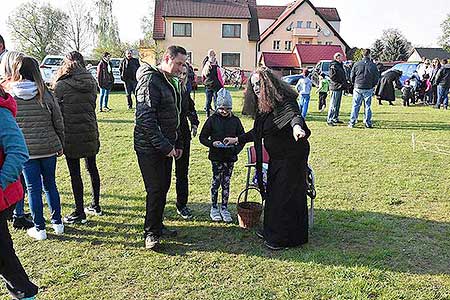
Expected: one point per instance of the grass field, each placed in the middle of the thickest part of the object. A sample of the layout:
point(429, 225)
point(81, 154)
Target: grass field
point(382, 228)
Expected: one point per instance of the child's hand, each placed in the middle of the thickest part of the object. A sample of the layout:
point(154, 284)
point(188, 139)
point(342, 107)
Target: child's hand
point(217, 144)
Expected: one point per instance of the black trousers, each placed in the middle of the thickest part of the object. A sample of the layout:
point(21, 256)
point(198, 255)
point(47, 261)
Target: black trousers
point(322, 100)
point(130, 89)
point(14, 276)
point(433, 94)
point(156, 170)
point(181, 175)
point(77, 184)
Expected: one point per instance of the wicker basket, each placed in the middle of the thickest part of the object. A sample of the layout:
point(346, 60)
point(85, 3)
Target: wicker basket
point(249, 213)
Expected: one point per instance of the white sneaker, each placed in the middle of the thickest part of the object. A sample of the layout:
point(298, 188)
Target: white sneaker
point(226, 216)
point(37, 234)
point(215, 214)
point(58, 228)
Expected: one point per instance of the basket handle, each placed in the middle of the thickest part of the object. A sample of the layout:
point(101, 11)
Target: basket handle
point(246, 190)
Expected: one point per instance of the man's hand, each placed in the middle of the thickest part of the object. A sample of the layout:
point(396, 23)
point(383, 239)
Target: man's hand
point(230, 141)
point(298, 132)
point(179, 153)
point(194, 129)
point(172, 153)
point(60, 153)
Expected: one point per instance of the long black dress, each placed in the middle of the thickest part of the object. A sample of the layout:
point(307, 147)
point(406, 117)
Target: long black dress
point(285, 211)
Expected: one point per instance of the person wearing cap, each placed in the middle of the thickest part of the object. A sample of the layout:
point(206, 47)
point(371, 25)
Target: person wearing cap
point(218, 126)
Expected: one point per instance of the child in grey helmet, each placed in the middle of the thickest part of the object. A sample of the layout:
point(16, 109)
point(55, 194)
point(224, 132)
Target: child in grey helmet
point(217, 127)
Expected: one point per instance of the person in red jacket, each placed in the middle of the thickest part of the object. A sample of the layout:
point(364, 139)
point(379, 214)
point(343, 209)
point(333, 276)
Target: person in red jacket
point(13, 154)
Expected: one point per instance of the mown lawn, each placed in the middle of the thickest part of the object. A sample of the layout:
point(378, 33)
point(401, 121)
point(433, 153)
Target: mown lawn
point(382, 228)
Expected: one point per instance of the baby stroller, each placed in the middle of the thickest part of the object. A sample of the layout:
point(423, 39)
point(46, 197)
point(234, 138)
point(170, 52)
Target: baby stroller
point(252, 181)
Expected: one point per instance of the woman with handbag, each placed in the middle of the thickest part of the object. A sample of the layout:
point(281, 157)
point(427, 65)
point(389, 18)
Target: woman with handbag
point(278, 121)
point(13, 154)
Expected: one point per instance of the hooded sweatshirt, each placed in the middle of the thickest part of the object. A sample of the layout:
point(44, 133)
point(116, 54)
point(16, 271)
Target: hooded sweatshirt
point(41, 123)
point(76, 94)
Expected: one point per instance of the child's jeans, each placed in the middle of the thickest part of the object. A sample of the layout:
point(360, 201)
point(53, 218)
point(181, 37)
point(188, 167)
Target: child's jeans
point(303, 104)
point(222, 172)
point(104, 97)
point(40, 173)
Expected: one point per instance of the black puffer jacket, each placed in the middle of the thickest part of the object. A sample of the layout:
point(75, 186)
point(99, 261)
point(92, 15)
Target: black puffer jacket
point(188, 112)
point(443, 76)
point(365, 74)
point(217, 128)
point(157, 112)
point(338, 80)
point(128, 69)
point(76, 94)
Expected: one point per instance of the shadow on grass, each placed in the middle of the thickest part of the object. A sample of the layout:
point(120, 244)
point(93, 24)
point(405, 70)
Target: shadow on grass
point(412, 125)
point(339, 238)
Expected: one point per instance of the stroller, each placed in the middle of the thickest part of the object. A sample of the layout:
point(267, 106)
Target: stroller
point(252, 181)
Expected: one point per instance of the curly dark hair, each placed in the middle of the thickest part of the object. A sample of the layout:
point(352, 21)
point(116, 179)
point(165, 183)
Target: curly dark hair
point(273, 91)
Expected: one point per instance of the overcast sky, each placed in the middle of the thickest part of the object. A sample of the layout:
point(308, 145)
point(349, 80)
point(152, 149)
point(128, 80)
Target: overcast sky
point(362, 20)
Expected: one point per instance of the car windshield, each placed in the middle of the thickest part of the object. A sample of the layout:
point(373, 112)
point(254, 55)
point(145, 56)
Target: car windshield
point(115, 63)
point(53, 61)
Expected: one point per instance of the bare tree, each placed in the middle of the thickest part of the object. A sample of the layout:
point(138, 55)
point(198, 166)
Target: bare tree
point(38, 30)
point(80, 28)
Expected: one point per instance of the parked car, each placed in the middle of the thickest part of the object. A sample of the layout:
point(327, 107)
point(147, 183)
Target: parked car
point(407, 69)
point(292, 79)
point(49, 65)
point(322, 66)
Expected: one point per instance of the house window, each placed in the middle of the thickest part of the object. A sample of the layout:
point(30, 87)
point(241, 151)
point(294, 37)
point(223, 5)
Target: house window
point(299, 24)
point(307, 42)
point(231, 60)
point(276, 45)
point(328, 43)
point(319, 43)
point(308, 24)
point(287, 45)
point(189, 57)
point(182, 29)
point(231, 30)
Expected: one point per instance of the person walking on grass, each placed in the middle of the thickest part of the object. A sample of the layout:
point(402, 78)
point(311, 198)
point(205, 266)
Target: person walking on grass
point(105, 79)
point(76, 92)
point(217, 127)
point(364, 77)
point(337, 85)
point(40, 119)
point(128, 68)
point(303, 87)
point(188, 116)
point(13, 155)
point(157, 136)
point(212, 79)
point(442, 81)
point(322, 90)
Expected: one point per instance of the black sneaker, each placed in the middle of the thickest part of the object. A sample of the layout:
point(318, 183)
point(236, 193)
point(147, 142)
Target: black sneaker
point(185, 213)
point(75, 217)
point(331, 124)
point(273, 247)
point(339, 122)
point(22, 223)
point(93, 211)
point(166, 232)
point(259, 233)
point(151, 242)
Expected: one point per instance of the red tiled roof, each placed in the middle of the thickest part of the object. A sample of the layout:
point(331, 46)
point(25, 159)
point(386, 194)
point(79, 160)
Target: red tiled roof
point(291, 9)
point(270, 12)
point(329, 13)
point(280, 60)
point(234, 9)
point(206, 9)
point(311, 54)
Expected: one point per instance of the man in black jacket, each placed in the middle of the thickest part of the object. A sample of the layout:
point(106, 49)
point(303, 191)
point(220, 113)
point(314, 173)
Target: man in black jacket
point(338, 83)
point(442, 81)
point(364, 77)
point(156, 135)
point(128, 68)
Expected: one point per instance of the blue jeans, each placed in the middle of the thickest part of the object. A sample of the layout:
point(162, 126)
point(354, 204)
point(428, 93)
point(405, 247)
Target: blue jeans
point(358, 96)
point(303, 104)
point(40, 173)
point(442, 96)
point(210, 96)
point(335, 106)
point(104, 97)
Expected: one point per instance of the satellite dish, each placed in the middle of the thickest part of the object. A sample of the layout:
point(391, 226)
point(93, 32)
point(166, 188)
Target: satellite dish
point(326, 32)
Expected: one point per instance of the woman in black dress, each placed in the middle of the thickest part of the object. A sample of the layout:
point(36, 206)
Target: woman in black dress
point(278, 123)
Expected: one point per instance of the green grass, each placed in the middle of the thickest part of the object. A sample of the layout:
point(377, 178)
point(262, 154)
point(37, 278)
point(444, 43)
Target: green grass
point(382, 228)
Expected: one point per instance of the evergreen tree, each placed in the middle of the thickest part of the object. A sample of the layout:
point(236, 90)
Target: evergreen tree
point(444, 40)
point(396, 46)
point(377, 50)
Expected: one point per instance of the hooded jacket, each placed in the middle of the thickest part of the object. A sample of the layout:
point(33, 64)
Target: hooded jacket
point(13, 154)
point(41, 123)
point(76, 94)
point(443, 76)
point(158, 111)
